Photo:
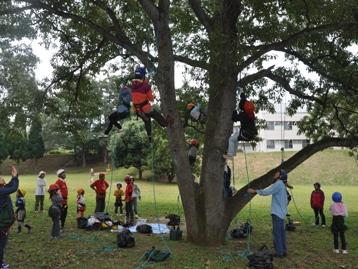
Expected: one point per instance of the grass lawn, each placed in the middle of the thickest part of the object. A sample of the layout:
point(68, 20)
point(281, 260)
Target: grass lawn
point(309, 246)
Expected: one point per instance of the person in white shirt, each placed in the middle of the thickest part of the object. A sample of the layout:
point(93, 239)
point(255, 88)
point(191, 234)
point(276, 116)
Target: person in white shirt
point(40, 191)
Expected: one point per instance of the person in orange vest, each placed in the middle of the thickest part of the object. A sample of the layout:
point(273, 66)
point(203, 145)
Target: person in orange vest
point(142, 95)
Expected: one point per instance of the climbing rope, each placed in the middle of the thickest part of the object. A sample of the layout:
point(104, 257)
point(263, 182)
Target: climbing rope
point(146, 264)
point(247, 251)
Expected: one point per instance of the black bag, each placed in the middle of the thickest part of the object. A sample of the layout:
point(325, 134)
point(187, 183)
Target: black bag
point(261, 259)
point(125, 239)
point(174, 219)
point(237, 233)
point(176, 234)
point(82, 222)
point(103, 216)
point(290, 226)
point(246, 228)
point(157, 255)
point(53, 211)
point(144, 229)
point(7, 216)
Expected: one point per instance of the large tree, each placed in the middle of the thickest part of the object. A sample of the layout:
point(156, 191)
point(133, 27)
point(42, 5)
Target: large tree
point(220, 41)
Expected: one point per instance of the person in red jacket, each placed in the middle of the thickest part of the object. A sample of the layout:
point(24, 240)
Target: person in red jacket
point(142, 95)
point(100, 186)
point(317, 202)
point(64, 192)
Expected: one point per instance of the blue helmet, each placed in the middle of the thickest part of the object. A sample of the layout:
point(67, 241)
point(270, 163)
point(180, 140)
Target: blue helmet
point(139, 72)
point(337, 197)
point(283, 175)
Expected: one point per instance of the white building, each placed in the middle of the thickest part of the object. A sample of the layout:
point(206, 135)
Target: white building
point(280, 133)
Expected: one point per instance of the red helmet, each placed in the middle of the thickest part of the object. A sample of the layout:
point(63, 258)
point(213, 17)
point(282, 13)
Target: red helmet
point(127, 177)
point(249, 107)
point(53, 187)
point(102, 174)
point(194, 142)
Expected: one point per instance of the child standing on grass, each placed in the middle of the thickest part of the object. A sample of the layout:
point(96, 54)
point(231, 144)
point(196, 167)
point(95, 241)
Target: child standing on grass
point(54, 211)
point(80, 201)
point(339, 212)
point(136, 196)
point(21, 211)
point(317, 202)
point(118, 193)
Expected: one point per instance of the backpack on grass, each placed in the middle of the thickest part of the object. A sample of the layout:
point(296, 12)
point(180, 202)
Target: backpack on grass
point(157, 255)
point(261, 259)
point(144, 229)
point(125, 239)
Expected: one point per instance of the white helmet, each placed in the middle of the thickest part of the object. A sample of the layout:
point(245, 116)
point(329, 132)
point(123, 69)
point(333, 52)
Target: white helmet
point(59, 172)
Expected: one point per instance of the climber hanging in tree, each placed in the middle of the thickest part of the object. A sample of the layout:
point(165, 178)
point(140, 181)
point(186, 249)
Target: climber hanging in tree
point(123, 111)
point(193, 151)
point(196, 113)
point(142, 95)
point(248, 130)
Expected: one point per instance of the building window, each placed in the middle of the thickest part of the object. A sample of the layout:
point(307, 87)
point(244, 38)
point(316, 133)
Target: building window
point(288, 144)
point(270, 144)
point(305, 143)
point(270, 125)
point(288, 125)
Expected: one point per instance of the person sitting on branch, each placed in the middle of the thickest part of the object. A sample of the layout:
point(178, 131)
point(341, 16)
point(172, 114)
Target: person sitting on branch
point(125, 98)
point(142, 96)
point(248, 130)
point(196, 113)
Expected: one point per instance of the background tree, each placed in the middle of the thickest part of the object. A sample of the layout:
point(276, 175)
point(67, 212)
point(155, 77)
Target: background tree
point(220, 42)
point(131, 146)
point(36, 143)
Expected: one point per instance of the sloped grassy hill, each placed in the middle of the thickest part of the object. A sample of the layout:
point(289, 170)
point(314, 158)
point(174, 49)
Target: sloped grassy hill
point(329, 166)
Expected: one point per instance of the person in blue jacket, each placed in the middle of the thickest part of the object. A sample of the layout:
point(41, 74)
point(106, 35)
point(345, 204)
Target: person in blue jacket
point(278, 211)
point(125, 99)
point(5, 200)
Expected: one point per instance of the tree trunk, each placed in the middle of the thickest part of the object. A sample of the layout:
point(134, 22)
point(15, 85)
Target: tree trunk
point(83, 156)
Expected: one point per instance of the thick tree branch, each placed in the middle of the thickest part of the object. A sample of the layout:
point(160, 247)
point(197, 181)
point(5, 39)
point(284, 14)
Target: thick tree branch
point(266, 180)
point(263, 49)
point(201, 15)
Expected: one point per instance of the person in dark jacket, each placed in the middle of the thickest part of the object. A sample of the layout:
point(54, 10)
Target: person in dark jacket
point(5, 200)
point(125, 99)
point(317, 202)
point(142, 95)
point(247, 131)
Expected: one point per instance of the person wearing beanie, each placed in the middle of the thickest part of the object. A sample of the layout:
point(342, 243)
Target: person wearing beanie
point(317, 202)
point(21, 211)
point(278, 211)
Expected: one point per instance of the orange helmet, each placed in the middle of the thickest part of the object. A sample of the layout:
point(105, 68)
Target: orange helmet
point(80, 190)
point(249, 107)
point(194, 142)
point(190, 106)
